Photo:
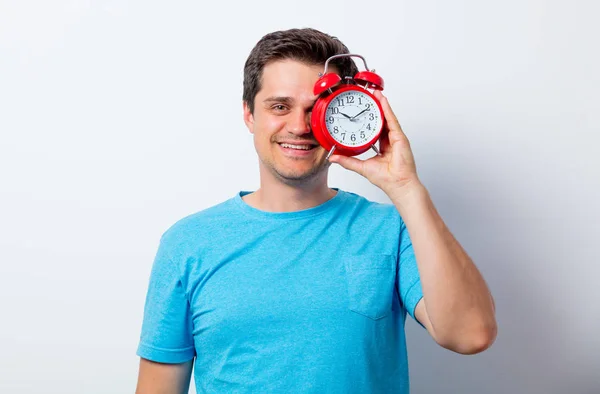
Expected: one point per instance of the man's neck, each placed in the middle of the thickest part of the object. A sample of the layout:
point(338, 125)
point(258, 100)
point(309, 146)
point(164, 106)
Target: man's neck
point(277, 196)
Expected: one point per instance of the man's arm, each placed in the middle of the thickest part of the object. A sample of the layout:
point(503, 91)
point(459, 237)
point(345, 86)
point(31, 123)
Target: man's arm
point(160, 378)
point(457, 308)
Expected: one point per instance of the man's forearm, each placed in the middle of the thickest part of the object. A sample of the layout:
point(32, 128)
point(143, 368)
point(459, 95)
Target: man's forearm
point(457, 299)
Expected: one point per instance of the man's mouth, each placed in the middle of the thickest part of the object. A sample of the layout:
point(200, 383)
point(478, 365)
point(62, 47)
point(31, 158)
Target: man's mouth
point(299, 146)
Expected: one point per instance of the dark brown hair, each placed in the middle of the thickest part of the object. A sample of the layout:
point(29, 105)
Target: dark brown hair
point(306, 45)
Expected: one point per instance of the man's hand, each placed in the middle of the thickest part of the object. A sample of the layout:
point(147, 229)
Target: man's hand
point(394, 171)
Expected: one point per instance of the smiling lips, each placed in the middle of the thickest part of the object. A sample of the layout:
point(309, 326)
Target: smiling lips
point(298, 149)
point(299, 145)
point(293, 146)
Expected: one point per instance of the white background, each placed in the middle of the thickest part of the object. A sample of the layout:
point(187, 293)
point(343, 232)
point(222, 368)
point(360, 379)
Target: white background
point(117, 118)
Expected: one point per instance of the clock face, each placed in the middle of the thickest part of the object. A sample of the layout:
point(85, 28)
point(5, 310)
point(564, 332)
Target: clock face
point(353, 118)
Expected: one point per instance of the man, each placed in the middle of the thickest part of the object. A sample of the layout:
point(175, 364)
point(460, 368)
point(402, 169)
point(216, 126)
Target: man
point(301, 288)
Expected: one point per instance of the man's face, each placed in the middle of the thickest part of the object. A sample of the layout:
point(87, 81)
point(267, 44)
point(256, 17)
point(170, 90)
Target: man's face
point(280, 123)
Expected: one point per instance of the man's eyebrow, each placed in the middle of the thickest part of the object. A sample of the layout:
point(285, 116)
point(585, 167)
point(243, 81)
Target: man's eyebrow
point(286, 100)
point(279, 99)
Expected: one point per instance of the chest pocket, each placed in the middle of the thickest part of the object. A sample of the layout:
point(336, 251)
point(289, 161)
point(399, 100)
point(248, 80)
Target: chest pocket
point(370, 279)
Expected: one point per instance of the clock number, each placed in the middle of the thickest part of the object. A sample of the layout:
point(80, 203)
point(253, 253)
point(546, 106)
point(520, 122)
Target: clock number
point(335, 129)
point(350, 99)
point(362, 134)
point(334, 110)
point(360, 101)
point(367, 105)
point(340, 102)
point(371, 116)
point(343, 136)
point(353, 137)
point(330, 119)
point(368, 126)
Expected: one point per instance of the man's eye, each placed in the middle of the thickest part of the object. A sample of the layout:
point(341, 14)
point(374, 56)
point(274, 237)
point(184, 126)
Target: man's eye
point(279, 107)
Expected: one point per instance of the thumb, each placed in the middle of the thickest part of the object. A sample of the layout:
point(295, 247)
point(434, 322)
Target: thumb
point(349, 163)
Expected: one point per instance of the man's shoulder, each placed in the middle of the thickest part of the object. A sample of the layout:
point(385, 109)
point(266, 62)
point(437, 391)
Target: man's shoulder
point(372, 211)
point(205, 221)
point(368, 204)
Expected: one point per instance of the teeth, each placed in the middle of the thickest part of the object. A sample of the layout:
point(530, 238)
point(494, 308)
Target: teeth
point(303, 147)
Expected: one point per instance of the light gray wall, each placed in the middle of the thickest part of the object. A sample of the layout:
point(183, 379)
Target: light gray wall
point(119, 117)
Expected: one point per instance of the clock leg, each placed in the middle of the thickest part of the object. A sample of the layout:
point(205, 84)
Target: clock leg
point(375, 149)
point(330, 152)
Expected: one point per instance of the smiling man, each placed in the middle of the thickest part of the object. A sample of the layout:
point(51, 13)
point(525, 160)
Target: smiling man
point(297, 287)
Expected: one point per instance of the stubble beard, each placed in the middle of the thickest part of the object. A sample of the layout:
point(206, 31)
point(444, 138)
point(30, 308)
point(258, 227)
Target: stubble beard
point(294, 178)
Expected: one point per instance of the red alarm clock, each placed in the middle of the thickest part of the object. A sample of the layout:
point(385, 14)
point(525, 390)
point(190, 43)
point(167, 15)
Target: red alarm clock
point(347, 118)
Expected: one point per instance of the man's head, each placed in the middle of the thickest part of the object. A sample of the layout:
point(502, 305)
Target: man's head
point(279, 76)
point(307, 46)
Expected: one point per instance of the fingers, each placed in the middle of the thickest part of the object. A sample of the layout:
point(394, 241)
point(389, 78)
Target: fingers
point(395, 130)
point(384, 142)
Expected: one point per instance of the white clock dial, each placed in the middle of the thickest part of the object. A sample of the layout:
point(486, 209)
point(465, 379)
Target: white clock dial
point(352, 118)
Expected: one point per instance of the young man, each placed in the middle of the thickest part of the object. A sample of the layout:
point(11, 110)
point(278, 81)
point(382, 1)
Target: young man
point(301, 288)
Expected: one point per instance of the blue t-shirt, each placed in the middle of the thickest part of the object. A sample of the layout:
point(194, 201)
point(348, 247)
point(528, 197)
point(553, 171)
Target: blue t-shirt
point(311, 301)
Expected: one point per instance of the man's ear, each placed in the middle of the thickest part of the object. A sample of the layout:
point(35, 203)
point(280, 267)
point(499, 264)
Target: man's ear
point(248, 118)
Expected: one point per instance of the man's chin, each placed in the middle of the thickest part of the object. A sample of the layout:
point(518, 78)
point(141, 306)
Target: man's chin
point(297, 175)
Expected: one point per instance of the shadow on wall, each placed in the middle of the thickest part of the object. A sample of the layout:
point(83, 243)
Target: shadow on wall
point(514, 243)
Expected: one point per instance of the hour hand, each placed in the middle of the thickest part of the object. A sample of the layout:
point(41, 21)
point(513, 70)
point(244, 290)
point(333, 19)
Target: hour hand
point(349, 117)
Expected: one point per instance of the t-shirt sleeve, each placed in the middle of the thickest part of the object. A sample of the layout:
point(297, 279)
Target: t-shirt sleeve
point(409, 281)
point(167, 325)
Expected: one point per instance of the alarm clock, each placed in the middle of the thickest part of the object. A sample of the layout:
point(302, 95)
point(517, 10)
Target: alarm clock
point(347, 118)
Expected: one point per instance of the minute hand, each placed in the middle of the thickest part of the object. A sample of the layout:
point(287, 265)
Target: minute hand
point(366, 109)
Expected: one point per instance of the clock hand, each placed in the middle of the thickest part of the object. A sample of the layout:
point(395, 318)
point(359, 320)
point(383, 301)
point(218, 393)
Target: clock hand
point(366, 109)
point(345, 115)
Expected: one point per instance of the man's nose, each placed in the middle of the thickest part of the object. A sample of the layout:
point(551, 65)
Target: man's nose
point(300, 123)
